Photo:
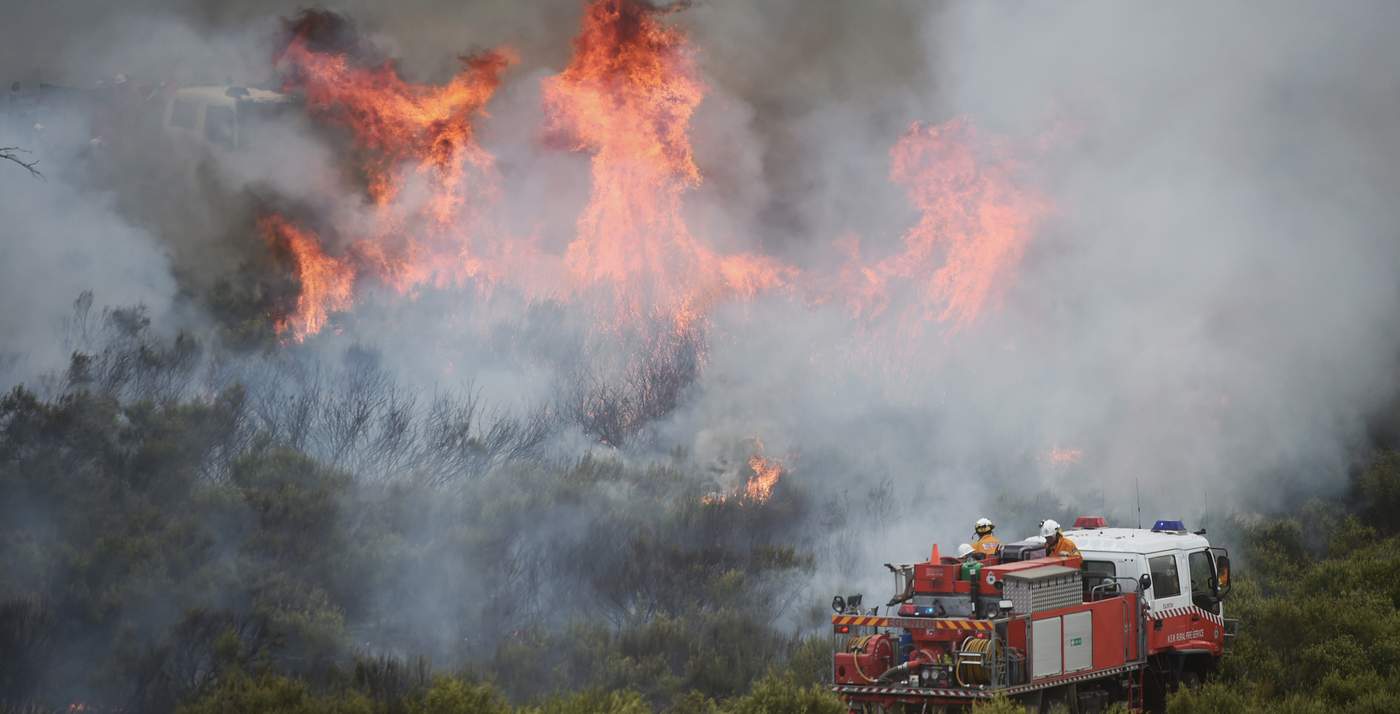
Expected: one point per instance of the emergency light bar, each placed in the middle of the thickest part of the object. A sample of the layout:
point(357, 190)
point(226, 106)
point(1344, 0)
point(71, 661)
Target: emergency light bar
point(1089, 522)
point(912, 610)
point(1168, 526)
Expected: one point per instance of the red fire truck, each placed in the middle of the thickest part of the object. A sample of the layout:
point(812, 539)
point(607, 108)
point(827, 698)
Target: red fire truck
point(1135, 615)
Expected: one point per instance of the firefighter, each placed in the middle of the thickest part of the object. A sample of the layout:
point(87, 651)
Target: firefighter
point(971, 562)
point(1055, 541)
point(986, 543)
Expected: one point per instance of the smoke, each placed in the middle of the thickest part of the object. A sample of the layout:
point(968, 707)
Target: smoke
point(64, 243)
point(1202, 317)
point(1201, 322)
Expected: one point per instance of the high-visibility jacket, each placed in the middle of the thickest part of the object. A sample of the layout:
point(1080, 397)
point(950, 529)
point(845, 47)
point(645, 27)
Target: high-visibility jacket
point(1064, 548)
point(987, 544)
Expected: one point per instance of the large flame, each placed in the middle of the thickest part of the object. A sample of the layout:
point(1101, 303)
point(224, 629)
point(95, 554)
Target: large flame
point(626, 98)
point(975, 221)
point(410, 132)
point(326, 282)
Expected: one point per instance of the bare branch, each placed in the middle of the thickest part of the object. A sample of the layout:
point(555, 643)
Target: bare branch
point(11, 153)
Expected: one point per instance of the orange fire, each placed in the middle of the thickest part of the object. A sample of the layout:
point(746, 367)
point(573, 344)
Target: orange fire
point(973, 229)
point(626, 98)
point(401, 122)
point(410, 132)
point(763, 476)
point(326, 282)
point(1060, 456)
point(766, 473)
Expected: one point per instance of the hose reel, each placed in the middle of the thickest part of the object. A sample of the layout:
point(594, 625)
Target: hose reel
point(976, 658)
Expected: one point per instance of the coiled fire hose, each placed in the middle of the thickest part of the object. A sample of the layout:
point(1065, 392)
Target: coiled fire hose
point(977, 669)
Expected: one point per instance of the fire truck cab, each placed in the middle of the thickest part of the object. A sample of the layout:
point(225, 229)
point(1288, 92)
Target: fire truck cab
point(1136, 614)
point(1183, 581)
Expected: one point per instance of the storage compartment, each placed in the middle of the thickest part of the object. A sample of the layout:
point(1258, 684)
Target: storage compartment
point(1078, 641)
point(1045, 648)
point(1048, 587)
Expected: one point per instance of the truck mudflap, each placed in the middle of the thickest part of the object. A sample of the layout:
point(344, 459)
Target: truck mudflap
point(870, 690)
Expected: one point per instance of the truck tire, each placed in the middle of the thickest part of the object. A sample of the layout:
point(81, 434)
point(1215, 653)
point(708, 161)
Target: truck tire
point(1058, 699)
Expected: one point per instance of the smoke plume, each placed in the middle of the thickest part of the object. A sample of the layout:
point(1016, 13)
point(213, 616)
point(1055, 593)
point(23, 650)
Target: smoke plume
point(942, 262)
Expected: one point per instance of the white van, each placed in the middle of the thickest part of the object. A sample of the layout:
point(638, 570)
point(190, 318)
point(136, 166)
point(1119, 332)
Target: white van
point(222, 116)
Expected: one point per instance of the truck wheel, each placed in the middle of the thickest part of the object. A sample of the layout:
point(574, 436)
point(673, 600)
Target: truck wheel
point(1190, 680)
point(1031, 702)
point(1154, 694)
point(1060, 700)
point(1069, 698)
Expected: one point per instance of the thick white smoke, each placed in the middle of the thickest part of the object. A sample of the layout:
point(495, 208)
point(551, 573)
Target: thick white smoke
point(59, 240)
point(1202, 318)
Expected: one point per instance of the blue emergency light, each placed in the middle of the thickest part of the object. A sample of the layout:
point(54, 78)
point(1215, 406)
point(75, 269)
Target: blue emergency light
point(1164, 526)
point(909, 609)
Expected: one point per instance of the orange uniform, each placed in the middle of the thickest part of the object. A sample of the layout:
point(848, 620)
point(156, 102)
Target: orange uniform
point(1064, 548)
point(986, 545)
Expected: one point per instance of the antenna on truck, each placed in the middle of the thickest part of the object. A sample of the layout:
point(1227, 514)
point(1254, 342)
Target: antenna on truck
point(1137, 486)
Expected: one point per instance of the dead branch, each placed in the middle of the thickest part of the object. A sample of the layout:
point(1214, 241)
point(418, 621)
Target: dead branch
point(12, 153)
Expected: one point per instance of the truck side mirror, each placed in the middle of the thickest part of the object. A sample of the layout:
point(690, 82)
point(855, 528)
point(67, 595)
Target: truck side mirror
point(1222, 578)
point(1145, 582)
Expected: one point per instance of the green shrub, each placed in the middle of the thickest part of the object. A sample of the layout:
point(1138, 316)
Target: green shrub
point(451, 695)
point(693, 702)
point(271, 694)
point(593, 702)
point(1210, 698)
point(784, 694)
point(999, 705)
point(1377, 489)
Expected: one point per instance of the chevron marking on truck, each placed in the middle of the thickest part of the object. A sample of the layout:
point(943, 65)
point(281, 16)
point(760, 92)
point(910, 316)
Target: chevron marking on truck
point(1179, 611)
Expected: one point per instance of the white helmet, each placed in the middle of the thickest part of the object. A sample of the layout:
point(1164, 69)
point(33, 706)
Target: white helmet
point(985, 522)
point(964, 550)
point(1048, 527)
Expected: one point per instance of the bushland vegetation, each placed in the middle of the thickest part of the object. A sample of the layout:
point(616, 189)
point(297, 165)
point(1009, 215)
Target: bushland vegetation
point(1319, 607)
point(175, 535)
point(179, 534)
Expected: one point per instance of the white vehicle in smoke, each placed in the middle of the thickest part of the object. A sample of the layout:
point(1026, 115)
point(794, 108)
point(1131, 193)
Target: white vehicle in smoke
point(221, 115)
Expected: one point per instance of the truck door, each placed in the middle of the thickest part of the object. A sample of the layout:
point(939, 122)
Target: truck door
point(1203, 592)
point(1167, 590)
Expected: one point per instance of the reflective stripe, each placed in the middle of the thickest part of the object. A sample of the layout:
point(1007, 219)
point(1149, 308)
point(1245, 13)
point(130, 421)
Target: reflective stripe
point(1180, 611)
point(860, 620)
point(913, 623)
point(964, 625)
point(858, 690)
